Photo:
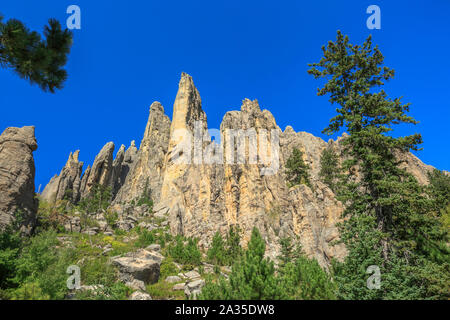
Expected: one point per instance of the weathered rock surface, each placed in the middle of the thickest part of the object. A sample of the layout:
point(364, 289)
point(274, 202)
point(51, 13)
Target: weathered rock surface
point(17, 177)
point(173, 279)
point(67, 183)
point(70, 184)
point(121, 167)
point(101, 170)
point(138, 295)
point(141, 265)
point(194, 288)
point(146, 173)
point(201, 185)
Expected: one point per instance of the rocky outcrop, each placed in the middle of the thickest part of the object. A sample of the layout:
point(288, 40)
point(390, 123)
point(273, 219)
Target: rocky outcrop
point(146, 173)
point(186, 185)
point(70, 184)
point(17, 197)
point(67, 184)
point(203, 181)
point(122, 165)
point(101, 170)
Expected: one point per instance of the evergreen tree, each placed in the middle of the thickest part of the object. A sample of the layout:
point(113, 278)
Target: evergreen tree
point(233, 243)
point(439, 189)
point(289, 252)
point(37, 60)
point(252, 278)
point(329, 168)
point(388, 217)
point(297, 169)
point(217, 254)
point(304, 279)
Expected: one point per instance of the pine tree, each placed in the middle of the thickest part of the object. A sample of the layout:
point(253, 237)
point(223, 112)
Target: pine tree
point(329, 168)
point(289, 252)
point(388, 217)
point(37, 60)
point(297, 169)
point(252, 278)
point(217, 253)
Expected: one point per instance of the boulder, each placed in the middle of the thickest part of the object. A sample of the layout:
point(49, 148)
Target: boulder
point(138, 295)
point(140, 265)
point(173, 279)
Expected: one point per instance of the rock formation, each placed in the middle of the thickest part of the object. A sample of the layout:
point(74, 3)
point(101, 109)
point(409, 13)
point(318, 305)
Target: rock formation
point(101, 170)
point(17, 177)
point(146, 171)
point(66, 185)
point(204, 181)
point(71, 184)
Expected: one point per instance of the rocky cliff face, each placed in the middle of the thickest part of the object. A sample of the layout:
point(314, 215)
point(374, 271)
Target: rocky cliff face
point(17, 177)
point(145, 165)
point(204, 180)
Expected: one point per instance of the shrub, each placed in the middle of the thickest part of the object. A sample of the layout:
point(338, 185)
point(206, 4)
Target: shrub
point(10, 244)
point(98, 199)
point(111, 218)
point(168, 268)
point(146, 238)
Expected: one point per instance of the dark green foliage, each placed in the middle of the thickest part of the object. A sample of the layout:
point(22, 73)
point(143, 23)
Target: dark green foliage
point(37, 60)
point(40, 270)
point(439, 189)
point(297, 169)
point(252, 278)
point(217, 253)
point(146, 238)
point(98, 199)
point(389, 221)
point(233, 243)
point(225, 252)
point(329, 168)
point(188, 253)
point(111, 218)
point(168, 268)
point(10, 246)
point(304, 279)
point(146, 197)
point(289, 251)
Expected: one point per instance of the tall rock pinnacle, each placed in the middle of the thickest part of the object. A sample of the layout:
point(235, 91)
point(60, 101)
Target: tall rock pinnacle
point(146, 172)
point(17, 177)
point(101, 170)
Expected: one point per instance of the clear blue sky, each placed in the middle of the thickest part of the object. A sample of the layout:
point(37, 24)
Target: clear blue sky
point(131, 53)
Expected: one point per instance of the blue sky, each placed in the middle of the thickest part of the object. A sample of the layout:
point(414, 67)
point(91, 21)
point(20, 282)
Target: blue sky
point(131, 53)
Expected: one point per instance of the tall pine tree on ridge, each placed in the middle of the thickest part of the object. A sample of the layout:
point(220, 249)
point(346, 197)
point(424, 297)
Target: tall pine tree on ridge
point(388, 221)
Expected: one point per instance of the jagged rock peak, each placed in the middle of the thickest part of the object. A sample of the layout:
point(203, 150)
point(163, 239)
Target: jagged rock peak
point(67, 183)
point(101, 170)
point(250, 106)
point(144, 169)
point(156, 106)
point(187, 107)
point(289, 130)
point(17, 177)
